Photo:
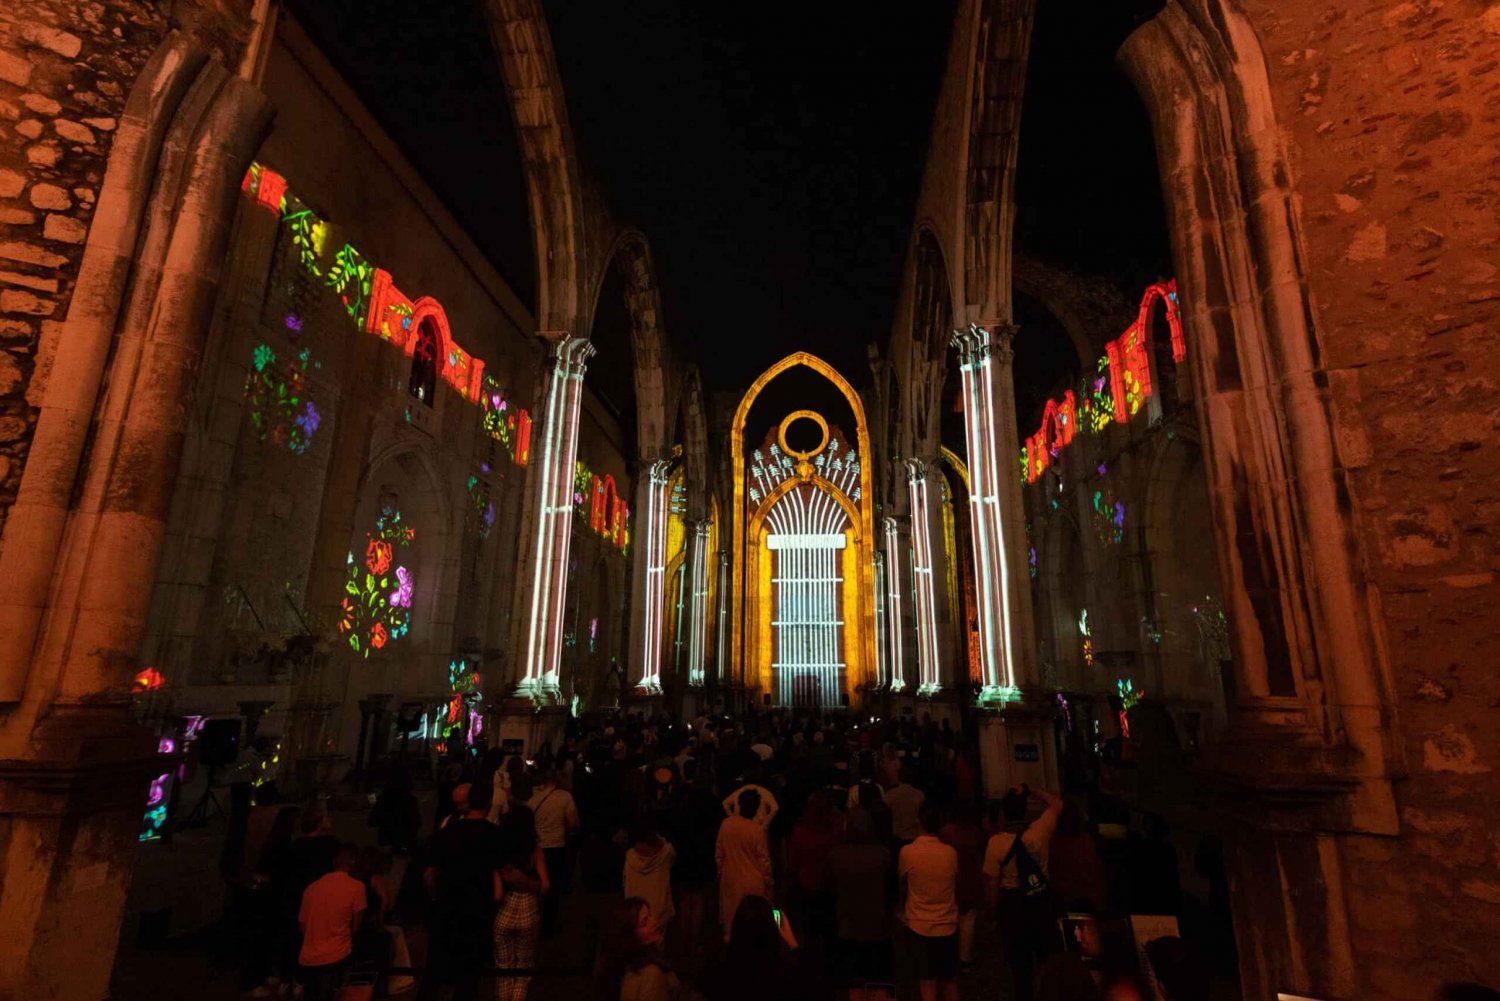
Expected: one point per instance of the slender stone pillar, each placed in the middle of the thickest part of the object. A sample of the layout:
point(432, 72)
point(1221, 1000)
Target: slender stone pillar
point(1016, 734)
point(539, 651)
point(895, 558)
point(1007, 645)
point(698, 557)
point(649, 580)
point(929, 669)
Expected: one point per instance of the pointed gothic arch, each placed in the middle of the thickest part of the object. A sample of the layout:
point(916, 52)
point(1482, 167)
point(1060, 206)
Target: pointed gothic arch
point(741, 654)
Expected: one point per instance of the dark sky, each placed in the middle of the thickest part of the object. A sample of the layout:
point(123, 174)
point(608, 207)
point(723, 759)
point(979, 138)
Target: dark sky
point(771, 153)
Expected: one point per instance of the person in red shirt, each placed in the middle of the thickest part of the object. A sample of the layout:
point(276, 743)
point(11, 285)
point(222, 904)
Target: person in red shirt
point(330, 915)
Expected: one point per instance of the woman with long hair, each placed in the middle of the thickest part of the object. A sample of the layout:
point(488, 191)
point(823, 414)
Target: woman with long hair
point(630, 965)
point(758, 963)
point(519, 889)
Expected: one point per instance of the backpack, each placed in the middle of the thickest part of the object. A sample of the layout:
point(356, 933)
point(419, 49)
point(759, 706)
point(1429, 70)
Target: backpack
point(1031, 881)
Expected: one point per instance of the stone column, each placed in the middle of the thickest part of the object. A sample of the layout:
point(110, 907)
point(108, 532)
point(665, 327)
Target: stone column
point(928, 658)
point(538, 656)
point(697, 610)
point(1003, 592)
point(1016, 742)
point(896, 564)
point(648, 583)
point(84, 539)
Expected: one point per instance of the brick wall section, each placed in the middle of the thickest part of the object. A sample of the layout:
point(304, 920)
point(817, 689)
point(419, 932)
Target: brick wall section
point(65, 70)
point(1392, 114)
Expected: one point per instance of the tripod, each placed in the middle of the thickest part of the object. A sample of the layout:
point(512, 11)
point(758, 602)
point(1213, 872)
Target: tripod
point(207, 803)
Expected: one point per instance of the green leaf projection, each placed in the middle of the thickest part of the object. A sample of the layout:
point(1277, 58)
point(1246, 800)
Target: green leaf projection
point(277, 396)
point(378, 590)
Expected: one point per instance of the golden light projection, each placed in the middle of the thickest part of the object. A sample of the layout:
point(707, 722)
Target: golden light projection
point(803, 595)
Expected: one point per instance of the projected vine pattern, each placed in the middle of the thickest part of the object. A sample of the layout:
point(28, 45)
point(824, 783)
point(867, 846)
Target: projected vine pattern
point(276, 394)
point(367, 292)
point(1109, 515)
point(379, 587)
point(1115, 393)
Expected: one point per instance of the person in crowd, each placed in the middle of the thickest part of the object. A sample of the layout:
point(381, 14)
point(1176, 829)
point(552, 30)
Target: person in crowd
point(1015, 874)
point(813, 837)
point(523, 884)
point(764, 813)
point(462, 877)
point(758, 962)
point(860, 867)
point(271, 952)
point(1155, 881)
point(743, 857)
point(905, 802)
point(963, 834)
point(866, 780)
point(1182, 973)
point(312, 852)
point(556, 816)
point(694, 821)
point(396, 815)
point(330, 917)
point(1467, 992)
point(927, 872)
point(1108, 950)
point(1075, 869)
point(631, 966)
point(648, 869)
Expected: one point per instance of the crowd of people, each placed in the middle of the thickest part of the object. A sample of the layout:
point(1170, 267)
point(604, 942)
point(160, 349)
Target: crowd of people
point(779, 856)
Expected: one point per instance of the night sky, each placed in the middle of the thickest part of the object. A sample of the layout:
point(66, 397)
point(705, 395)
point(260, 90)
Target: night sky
point(771, 153)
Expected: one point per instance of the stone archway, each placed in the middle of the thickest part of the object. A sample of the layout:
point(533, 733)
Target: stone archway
point(1310, 746)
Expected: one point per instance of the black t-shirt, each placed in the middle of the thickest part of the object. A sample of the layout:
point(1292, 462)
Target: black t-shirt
point(466, 854)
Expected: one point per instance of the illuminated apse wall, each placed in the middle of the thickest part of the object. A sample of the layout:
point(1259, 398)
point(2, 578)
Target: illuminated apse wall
point(803, 574)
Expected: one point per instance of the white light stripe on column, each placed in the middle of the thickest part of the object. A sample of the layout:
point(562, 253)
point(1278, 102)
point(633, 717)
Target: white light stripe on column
point(553, 509)
point(882, 639)
point(656, 571)
point(698, 604)
point(921, 534)
point(992, 577)
point(893, 558)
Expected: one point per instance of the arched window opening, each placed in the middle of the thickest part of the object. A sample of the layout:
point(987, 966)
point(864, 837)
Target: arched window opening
point(422, 382)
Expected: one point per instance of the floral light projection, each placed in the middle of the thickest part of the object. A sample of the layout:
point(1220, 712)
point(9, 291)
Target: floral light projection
point(276, 394)
point(599, 507)
point(1130, 697)
point(368, 293)
point(1088, 637)
point(484, 508)
point(378, 591)
point(1115, 393)
point(1109, 515)
point(148, 680)
point(510, 426)
point(458, 717)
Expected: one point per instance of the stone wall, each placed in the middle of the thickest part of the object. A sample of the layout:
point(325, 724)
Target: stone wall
point(1391, 111)
point(65, 69)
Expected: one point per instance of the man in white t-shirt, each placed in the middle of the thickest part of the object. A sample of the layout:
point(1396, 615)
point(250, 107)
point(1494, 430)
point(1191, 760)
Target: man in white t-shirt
point(555, 816)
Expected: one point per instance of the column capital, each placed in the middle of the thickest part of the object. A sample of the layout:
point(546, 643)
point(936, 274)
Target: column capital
point(981, 341)
point(571, 354)
point(916, 470)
